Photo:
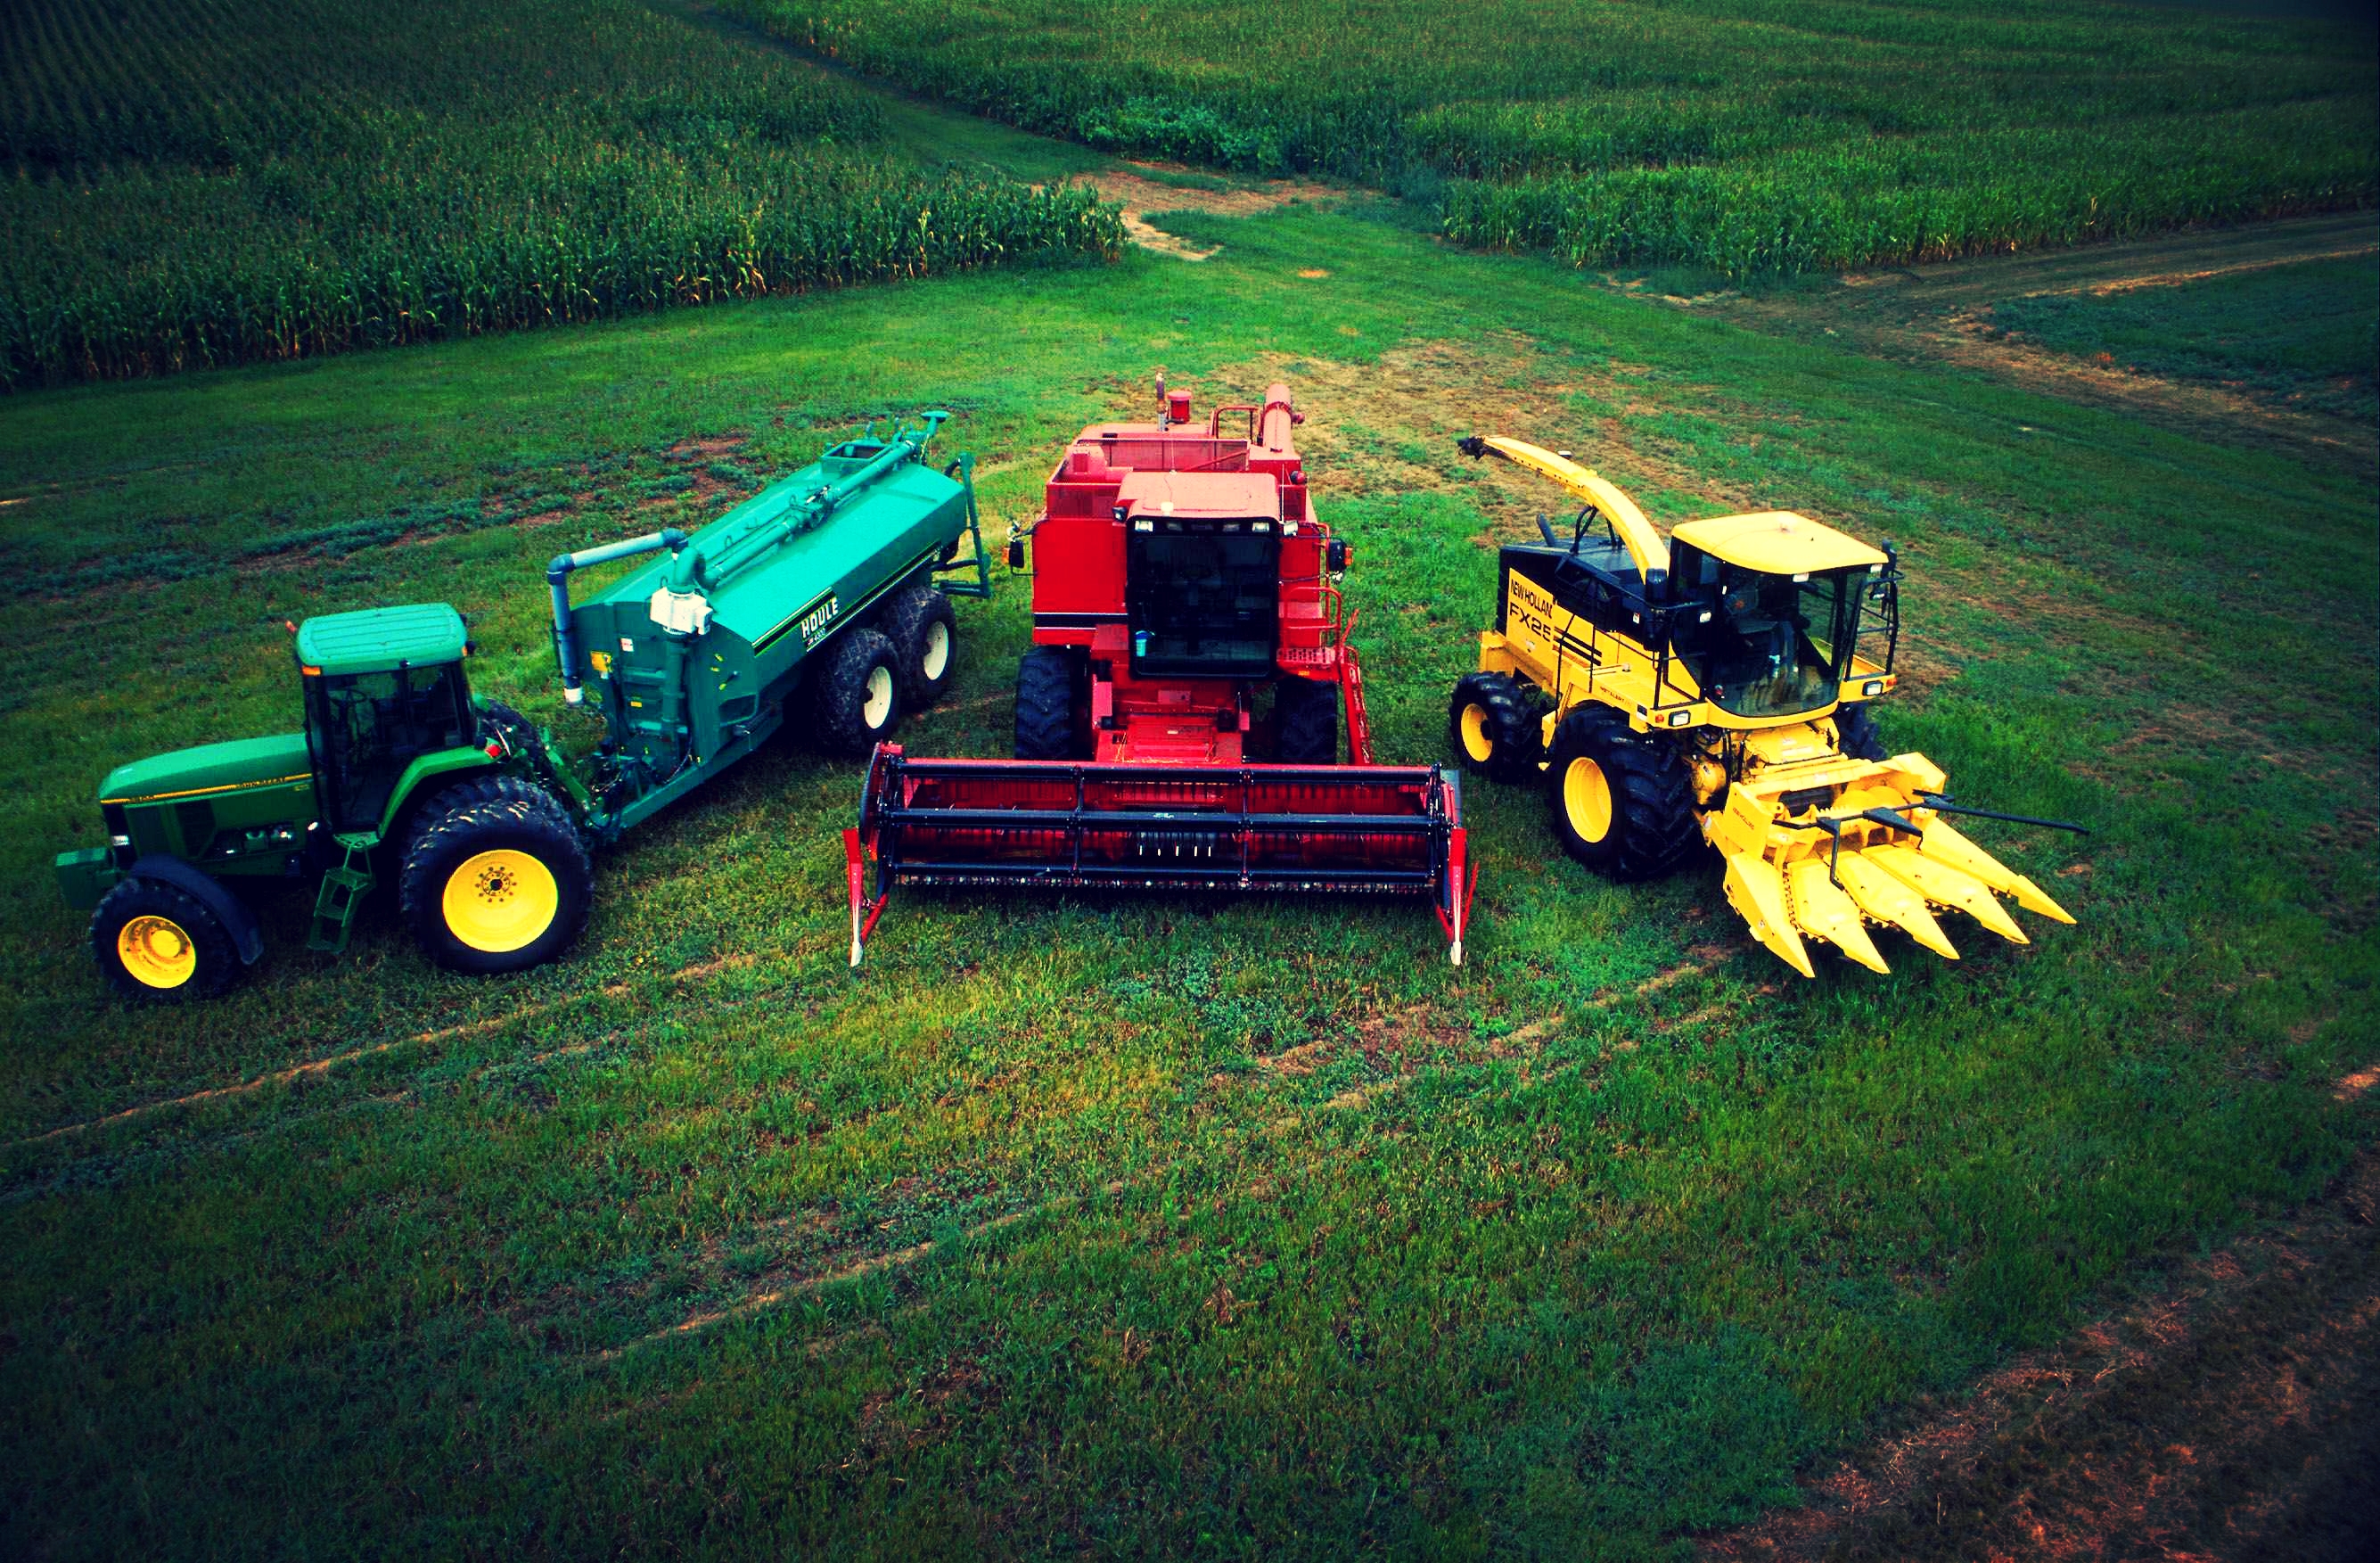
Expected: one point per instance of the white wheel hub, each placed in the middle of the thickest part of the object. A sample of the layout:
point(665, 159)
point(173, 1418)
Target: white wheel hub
point(938, 651)
point(878, 708)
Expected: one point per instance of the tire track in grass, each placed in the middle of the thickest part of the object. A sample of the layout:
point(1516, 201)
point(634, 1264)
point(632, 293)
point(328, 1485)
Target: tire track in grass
point(320, 1067)
point(1523, 1043)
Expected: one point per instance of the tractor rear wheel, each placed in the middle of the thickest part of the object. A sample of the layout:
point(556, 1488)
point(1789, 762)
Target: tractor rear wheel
point(1048, 679)
point(1491, 729)
point(1621, 805)
point(496, 877)
point(858, 694)
point(1306, 723)
point(1856, 733)
point(161, 945)
point(923, 629)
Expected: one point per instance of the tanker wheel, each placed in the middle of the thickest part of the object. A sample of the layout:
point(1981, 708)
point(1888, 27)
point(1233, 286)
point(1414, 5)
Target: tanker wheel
point(859, 694)
point(496, 877)
point(923, 629)
point(1048, 680)
point(158, 944)
point(1621, 805)
point(1306, 723)
point(1856, 733)
point(1490, 728)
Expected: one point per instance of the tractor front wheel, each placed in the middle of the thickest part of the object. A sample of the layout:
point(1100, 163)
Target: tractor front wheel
point(1621, 805)
point(858, 694)
point(161, 945)
point(1491, 729)
point(1306, 723)
point(923, 629)
point(1856, 734)
point(496, 878)
point(1048, 680)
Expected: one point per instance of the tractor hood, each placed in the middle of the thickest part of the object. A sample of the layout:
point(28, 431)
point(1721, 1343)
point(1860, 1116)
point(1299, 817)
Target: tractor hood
point(208, 768)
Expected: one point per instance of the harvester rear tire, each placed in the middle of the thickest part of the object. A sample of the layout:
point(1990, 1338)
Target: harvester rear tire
point(158, 944)
point(1491, 729)
point(924, 629)
point(1856, 733)
point(858, 695)
point(1048, 682)
point(1306, 723)
point(1622, 805)
point(496, 877)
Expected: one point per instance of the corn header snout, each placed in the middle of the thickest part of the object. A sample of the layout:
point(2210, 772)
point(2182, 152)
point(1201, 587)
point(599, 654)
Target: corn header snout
point(1716, 685)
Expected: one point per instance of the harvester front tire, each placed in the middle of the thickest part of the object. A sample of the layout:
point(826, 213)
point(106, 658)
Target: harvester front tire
point(1306, 723)
point(1491, 729)
point(859, 693)
point(496, 877)
point(158, 944)
point(1856, 733)
point(924, 629)
point(1047, 680)
point(1622, 806)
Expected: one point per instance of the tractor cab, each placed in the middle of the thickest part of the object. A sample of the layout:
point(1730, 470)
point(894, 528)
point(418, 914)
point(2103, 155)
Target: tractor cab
point(1766, 610)
point(384, 687)
point(1202, 573)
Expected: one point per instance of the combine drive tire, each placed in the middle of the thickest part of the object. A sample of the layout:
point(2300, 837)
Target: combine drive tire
point(1621, 805)
point(1491, 729)
point(161, 945)
point(858, 694)
point(1856, 733)
point(496, 877)
point(1306, 723)
point(924, 635)
point(1047, 680)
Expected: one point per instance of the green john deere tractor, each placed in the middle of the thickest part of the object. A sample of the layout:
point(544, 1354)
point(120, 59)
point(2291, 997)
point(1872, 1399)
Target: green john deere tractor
point(824, 592)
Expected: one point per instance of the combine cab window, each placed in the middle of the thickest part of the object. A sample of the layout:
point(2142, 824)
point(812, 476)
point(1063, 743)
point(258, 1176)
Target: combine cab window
point(364, 728)
point(1771, 645)
point(1202, 603)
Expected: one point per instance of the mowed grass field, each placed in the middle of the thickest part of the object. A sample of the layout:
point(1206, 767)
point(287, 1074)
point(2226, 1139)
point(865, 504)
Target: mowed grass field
point(1158, 1226)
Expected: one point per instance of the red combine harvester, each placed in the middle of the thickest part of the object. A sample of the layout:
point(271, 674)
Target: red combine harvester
point(1181, 580)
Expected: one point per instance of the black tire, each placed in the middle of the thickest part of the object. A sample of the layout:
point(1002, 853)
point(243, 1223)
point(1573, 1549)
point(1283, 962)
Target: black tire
point(473, 911)
point(158, 944)
point(496, 717)
point(1306, 723)
point(857, 696)
point(1491, 729)
point(1047, 726)
point(1856, 733)
point(1645, 824)
point(924, 631)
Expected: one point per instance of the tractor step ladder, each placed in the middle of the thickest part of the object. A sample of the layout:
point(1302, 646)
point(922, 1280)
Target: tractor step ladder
point(1359, 722)
point(344, 890)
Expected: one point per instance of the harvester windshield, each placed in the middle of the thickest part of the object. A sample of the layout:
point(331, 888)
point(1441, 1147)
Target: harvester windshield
point(1202, 599)
point(362, 729)
point(1762, 644)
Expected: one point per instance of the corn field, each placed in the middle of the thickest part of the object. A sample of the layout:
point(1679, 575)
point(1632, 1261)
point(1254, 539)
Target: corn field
point(1745, 135)
point(197, 185)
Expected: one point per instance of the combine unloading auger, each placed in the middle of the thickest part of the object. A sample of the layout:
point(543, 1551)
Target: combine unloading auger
point(1178, 716)
point(1715, 687)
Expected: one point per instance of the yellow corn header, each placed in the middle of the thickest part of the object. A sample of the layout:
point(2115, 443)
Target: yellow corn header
point(1715, 687)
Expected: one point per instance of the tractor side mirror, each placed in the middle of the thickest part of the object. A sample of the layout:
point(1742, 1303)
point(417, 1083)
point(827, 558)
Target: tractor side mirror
point(1016, 554)
point(1334, 555)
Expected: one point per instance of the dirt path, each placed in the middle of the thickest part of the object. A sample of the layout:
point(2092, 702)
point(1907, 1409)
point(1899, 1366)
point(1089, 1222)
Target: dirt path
point(1931, 314)
point(2235, 1414)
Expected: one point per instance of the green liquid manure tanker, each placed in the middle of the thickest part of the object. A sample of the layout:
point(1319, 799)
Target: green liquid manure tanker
point(826, 592)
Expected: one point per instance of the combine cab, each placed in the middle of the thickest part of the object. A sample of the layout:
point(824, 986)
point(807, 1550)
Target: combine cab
point(1716, 686)
point(1178, 716)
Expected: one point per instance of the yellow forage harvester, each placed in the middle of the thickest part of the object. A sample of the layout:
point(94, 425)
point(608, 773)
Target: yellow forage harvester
point(1715, 687)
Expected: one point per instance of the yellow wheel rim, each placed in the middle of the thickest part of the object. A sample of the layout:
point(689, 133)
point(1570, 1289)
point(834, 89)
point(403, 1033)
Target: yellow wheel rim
point(157, 952)
point(1586, 799)
point(1476, 742)
point(501, 900)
